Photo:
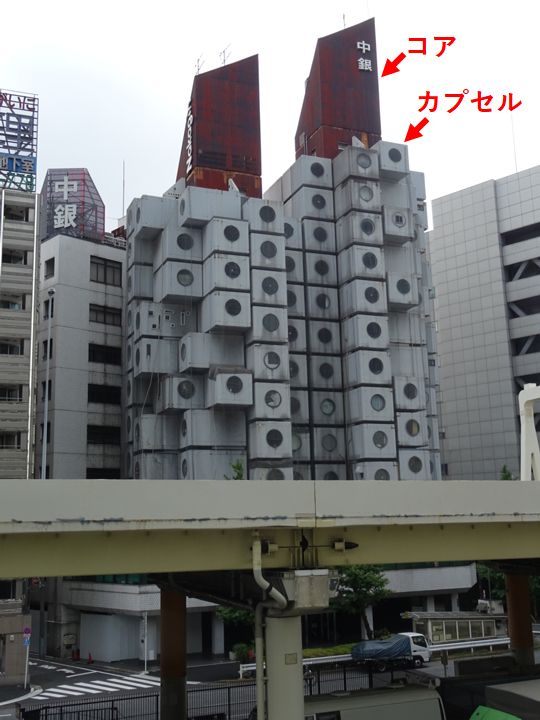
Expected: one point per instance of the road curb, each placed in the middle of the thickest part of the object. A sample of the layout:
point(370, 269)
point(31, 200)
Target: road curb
point(35, 690)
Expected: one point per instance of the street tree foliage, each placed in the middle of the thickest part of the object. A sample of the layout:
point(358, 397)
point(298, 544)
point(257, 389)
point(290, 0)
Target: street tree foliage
point(359, 587)
point(506, 474)
point(235, 616)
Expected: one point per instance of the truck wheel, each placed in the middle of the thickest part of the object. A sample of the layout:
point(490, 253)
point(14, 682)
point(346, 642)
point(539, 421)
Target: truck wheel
point(418, 662)
point(380, 666)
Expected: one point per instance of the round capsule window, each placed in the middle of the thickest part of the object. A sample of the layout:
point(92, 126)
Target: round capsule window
point(270, 285)
point(138, 320)
point(329, 442)
point(272, 399)
point(296, 442)
point(184, 241)
point(270, 322)
point(373, 330)
point(138, 213)
point(366, 193)
point(331, 475)
point(275, 474)
point(382, 474)
point(363, 160)
point(399, 219)
point(326, 370)
point(267, 214)
point(324, 335)
point(415, 464)
point(232, 270)
point(292, 334)
point(321, 267)
point(395, 155)
point(182, 207)
point(274, 438)
point(317, 169)
point(328, 407)
point(412, 427)
point(367, 226)
point(323, 301)
point(289, 264)
point(320, 234)
point(371, 294)
point(378, 402)
point(130, 318)
point(380, 439)
point(318, 202)
point(291, 298)
point(268, 249)
point(288, 229)
point(232, 233)
point(272, 360)
point(403, 286)
point(233, 307)
point(184, 468)
point(183, 428)
point(410, 390)
point(234, 384)
point(137, 356)
point(186, 389)
point(293, 368)
point(376, 366)
point(370, 260)
point(295, 405)
point(183, 351)
point(185, 277)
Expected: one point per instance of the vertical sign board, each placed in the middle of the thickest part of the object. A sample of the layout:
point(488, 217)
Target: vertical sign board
point(18, 140)
point(71, 205)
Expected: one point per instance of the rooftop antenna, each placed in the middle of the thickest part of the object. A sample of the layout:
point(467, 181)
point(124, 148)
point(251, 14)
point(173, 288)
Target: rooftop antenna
point(199, 64)
point(344, 23)
point(224, 54)
point(123, 188)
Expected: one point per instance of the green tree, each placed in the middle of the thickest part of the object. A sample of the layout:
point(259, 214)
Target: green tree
point(359, 587)
point(506, 474)
point(235, 616)
point(238, 469)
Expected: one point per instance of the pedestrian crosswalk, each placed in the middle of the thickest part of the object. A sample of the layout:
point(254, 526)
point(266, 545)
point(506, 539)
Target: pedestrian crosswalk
point(101, 685)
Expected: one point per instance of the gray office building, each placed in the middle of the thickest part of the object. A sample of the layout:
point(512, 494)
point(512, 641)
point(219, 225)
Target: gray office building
point(485, 257)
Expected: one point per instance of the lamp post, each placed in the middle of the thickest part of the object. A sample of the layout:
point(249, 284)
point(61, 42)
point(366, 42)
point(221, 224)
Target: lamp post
point(45, 438)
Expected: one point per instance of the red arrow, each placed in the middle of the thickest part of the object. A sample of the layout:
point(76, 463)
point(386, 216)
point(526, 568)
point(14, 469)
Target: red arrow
point(414, 130)
point(391, 66)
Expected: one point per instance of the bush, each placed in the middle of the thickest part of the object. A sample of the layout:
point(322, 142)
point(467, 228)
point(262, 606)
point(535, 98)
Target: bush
point(241, 650)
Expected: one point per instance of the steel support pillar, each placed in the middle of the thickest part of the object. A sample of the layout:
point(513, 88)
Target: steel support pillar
point(285, 684)
point(519, 618)
point(173, 655)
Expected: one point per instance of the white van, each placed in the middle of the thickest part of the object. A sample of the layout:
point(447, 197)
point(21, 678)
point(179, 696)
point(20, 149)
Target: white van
point(408, 702)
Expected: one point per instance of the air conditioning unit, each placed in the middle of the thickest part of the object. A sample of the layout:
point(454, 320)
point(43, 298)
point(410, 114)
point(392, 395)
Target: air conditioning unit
point(307, 170)
point(409, 393)
point(264, 216)
point(296, 306)
point(178, 281)
point(271, 401)
point(225, 235)
point(309, 202)
point(361, 195)
point(229, 389)
point(398, 224)
point(402, 291)
point(375, 471)
point(226, 272)
point(268, 324)
point(198, 351)
point(155, 466)
point(333, 471)
point(358, 261)
point(327, 407)
point(299, 407)
point(319, 236)
point(363, 296)
point(268, 252)
point(270, 440)
point(140, 282)
point(393, 160)
point(197, 206)
point(324, 337)
point(367, 367)
point(412, 429)
point(325, 372)
point(369, 404)
point(209, 464)
point(294, 265)
point(359, 227)
point(212, 429)
point(320, 269)
point(364, 331)
point(355, 162)
point(271, 472)
point(329, 444)
point(268, 362)
point(177, 243)
point(298, 373)
point(147, 216)
point(414, 465)
point(371, 441)
point(269, 288)
point(293, 234)
point(156, 432)
point(155, 356)
point(223, 311)
point(323, 303)
point(179, 394)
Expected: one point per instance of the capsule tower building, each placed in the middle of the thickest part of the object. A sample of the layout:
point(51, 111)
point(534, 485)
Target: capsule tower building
point(288, 336)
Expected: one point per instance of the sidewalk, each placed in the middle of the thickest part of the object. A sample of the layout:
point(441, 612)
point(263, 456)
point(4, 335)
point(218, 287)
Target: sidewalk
point(10, 694)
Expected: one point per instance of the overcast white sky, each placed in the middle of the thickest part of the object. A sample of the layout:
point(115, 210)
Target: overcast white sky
point(114, 79)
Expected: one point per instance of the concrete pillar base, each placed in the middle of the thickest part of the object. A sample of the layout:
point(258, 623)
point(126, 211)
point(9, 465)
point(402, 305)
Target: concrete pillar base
point(285, 686)
point(173, 656)
point(519, 618)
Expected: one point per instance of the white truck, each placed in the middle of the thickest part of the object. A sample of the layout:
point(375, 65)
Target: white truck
point(406, 649)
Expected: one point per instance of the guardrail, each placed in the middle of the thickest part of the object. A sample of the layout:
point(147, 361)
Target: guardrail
point(248, 668)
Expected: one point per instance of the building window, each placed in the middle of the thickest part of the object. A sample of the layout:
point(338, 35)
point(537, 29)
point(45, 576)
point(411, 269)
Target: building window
point(48, 304)
point(105, 315)
point(44, 355)
point(109, 394)
point(11, 393)
point(43, 391)
point(12, 302)
point(102, 435)
point(13, 257)
point(103, 474)
point(10, 346)
point(108, 272)
point(104, 354)
point(10, 440)
point(48, 432)
point(17, 213)
point(49, 268)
